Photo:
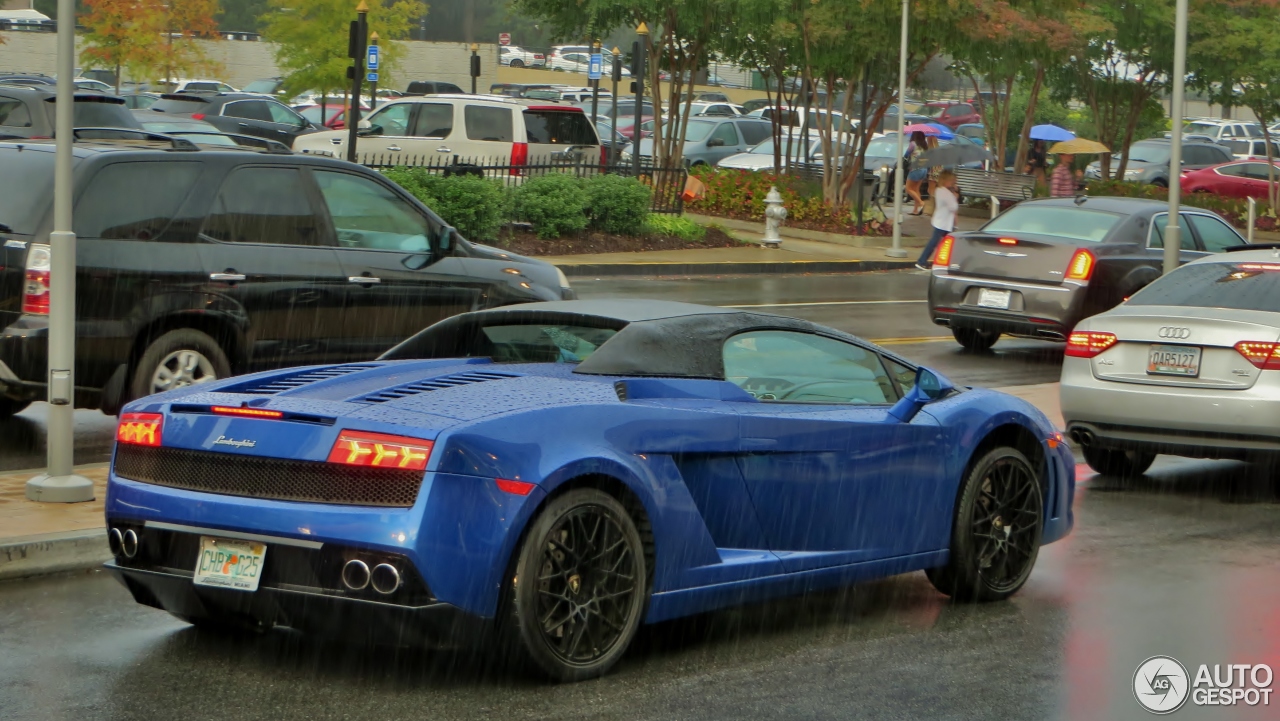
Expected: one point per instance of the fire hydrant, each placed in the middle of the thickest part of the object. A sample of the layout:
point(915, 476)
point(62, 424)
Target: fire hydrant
point(774, 214)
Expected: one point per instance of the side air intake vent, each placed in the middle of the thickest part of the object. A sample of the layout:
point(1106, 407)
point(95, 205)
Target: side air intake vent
point(281, 384)
point(435, 384)
point(620, 387)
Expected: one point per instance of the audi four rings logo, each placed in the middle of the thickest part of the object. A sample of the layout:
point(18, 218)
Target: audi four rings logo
point(1173, 331)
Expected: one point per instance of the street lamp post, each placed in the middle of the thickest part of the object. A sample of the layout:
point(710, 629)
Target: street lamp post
point(1173, 233)
point(357, 44)
point(897, 251)
point(641, 48)
point(613, 110)
point(58, 484)
point(595, 87)
point(475, 65)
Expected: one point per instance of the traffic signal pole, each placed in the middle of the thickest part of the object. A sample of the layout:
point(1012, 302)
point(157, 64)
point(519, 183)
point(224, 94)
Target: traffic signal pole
point(357, 42)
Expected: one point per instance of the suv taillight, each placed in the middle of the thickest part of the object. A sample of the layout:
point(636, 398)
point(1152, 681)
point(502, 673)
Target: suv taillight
point(35, 294)
point(519, 157)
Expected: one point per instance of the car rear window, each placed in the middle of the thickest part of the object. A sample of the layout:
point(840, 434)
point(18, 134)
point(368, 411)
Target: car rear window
point(90, 113)
point(168, 105)
point(26, 187)
point(545, 343)
point(1055, 221)
point(1241, 285)
point(134, 201)
point(556, 127)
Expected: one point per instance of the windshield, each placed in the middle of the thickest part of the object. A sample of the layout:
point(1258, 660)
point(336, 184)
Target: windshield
point(1140, 153)
point(1240, 286)
point(1200, 128)
point(261, 86)
point(313, 113)
point(545, 343)
point(1055, 221)
point(883, 147)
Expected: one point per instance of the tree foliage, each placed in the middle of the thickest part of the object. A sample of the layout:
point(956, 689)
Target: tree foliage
point(121, 35)
point(182, 22)
point(311, 38)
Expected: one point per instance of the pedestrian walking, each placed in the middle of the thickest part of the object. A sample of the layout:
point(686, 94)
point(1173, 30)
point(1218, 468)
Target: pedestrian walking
point(916, 176)
point(1037, 163)
point(946, 202)
point(1062, 184)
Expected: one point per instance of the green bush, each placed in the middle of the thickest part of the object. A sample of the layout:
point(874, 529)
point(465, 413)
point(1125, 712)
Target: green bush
point(1235, 210)
point(618, 204)
point(477, 207)
point(555, 203)
point(675, 226)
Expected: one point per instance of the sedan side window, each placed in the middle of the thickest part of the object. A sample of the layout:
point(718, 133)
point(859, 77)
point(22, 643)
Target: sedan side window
point(392, 120)
point(806, 368)
point(435, 120)
point(1216, 235)
point(284, 116)
point(263, 205)
point(249, 110)
point(1156, 238)
point(367, 215)
point(726, 134)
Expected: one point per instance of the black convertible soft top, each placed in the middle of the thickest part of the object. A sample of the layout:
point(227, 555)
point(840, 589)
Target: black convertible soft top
point(654, 338)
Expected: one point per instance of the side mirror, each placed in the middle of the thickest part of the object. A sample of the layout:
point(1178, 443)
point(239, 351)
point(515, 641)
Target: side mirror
point(715, 143)
point(929, 387)
point(447, 237)
point(364, 127)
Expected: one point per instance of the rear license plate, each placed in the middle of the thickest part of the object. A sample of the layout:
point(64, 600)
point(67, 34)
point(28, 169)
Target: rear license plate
point(226, 563)
point(1174, 360)
point(991, 298)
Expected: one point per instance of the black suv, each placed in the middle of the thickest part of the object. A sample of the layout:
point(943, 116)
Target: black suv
point(243, 113)
point(28, 112)
point(197, 263)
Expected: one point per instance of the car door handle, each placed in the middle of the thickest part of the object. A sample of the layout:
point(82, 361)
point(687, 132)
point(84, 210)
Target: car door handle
point(227, 277)
point(336, 141)
point(394, 148)
point(362, 279)
point(245, 125)
point(443, 149)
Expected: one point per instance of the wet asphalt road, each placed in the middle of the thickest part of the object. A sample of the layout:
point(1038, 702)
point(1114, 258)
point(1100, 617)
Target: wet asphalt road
point(1183, 562)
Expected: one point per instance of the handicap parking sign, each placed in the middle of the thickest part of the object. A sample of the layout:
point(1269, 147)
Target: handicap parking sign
point(595, 67)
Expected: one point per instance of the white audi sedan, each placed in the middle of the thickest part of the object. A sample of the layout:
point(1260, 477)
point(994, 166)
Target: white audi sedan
point(1188, 366)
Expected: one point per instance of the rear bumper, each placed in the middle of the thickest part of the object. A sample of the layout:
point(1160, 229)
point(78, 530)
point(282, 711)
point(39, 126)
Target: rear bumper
point(1035, 310)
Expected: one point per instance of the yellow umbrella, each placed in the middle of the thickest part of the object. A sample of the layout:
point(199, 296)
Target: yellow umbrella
point(1079, 146)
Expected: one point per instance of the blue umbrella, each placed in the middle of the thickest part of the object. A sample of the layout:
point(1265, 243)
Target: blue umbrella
point(1051, 133)
point(944, 133)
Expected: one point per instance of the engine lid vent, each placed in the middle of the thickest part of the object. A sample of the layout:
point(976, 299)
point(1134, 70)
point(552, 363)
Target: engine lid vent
point(435, 384)
point(280, 384)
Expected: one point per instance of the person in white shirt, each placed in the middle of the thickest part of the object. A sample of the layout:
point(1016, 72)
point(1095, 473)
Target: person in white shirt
point(946, 200)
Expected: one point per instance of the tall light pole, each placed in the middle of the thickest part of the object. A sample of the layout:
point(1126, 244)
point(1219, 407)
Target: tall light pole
point(638, 57)
point(58, 484)
point(1173, 233)
point(897, 251)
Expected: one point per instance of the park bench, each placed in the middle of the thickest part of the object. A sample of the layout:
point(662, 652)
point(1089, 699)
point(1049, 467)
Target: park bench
point(980, 184)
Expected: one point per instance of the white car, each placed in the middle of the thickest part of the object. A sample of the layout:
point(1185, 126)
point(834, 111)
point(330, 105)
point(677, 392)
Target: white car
point(518, 57)
point(478, 129)
point(1220, 130)
point(760, 157)
point(581, 63)
point(1188, 366)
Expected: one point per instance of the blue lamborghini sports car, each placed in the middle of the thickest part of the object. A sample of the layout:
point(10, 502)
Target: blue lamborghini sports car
point(563, 472)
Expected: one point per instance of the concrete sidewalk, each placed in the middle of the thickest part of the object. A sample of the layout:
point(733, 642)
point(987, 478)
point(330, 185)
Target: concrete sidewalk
point(43, 538)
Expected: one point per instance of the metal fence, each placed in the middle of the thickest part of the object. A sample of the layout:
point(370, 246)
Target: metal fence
point(667, 184)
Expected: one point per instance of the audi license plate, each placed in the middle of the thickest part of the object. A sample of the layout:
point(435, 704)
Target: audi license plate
point(992, 298)
point(1174, 360)
point(225, 563)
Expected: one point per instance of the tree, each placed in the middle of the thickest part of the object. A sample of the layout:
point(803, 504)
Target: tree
point(311, 38)
point(182, 22)
point(241, 15)
point(121, 35)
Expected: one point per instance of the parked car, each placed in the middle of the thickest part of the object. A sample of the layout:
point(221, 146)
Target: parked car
point(266, 86)
point(27, 79)
point(242, 113)
point(713, 96)
point(194, 266)
point(760, 157)
point(561, 474)
point(581, 63)
point(559, 51)
point(334, 115)
point(1240, 179)
point(477, 128)
point(1149, 160)
point(518, 57)
point(199, 86)
point(94, 86)
point(140, 101)
point(431, 87)
point(1255, 149)
point(197, 131)
point(517, 90)
point(707, 141)
point(987, 99)
point(976, 132)
point(1040, 267)
point(950, 114)
point(755, 104)
point(28, 112)
point(1220, 130)
point(1184, 367)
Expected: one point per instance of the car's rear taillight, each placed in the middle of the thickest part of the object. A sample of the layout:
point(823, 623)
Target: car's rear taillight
point(197, 116)
point(1081, 265)
point(140, 429)
point(942, 256)
point(1260, 353)
point(379, 450)
point(519, 157)
point(1087, 344)
point(35, 294)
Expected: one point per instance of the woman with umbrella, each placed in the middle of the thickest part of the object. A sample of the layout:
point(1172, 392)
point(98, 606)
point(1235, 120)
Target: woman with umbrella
point(916, 175)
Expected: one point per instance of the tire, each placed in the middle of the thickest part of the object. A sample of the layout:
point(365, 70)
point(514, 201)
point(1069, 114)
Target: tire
point(517, 63)
point(974, 340)
point(10, 408)
point(1117, 462)
point(995, 537)
point(559, 581)
point(189, 357)
point(1159, 183)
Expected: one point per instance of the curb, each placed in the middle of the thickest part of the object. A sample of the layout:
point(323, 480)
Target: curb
point(48, 553)
point(579, 270)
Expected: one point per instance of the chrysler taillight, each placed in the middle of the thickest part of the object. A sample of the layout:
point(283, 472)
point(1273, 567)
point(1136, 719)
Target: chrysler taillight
point(140, 429)
point(1262, 354)
point(35, 293)
point(1087, 344)
point(379, 450)
point(942, 256)
point(1081, 265)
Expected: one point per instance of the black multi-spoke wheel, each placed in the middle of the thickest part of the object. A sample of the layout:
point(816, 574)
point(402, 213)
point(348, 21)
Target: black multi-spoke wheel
point(998, 524)
point(580, 585)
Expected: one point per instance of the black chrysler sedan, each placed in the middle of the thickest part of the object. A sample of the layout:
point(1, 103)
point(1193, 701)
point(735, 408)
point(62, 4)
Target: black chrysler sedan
point(1042, 266)
point(196, 262)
